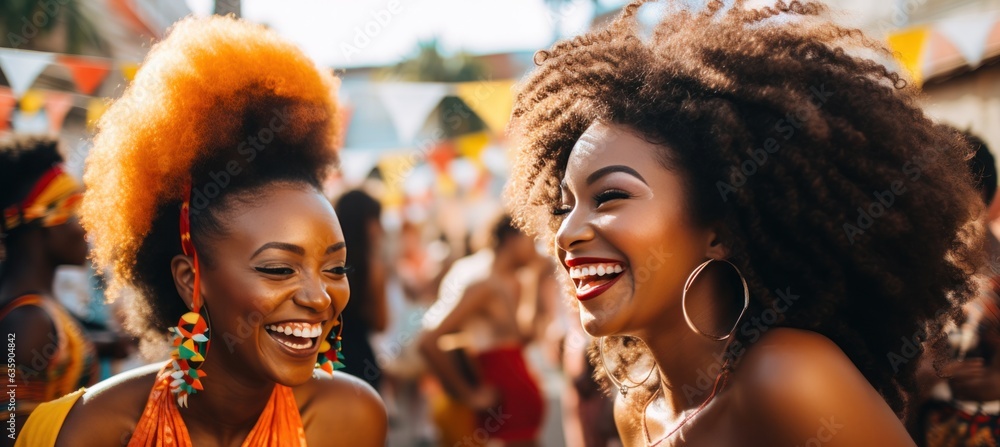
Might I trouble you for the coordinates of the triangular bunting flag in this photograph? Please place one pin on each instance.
(95, 109)
(128, 70)
(31, 102)
(35, 123)
(491, 100)
(969, 34)
(87, 72)
(355, 165)
(57, 105)
(909, 47)
(395, 168)
(7, 103)
(22, 68)
(471, 146)
(409, 104)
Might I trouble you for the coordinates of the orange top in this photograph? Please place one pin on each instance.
(161, 425)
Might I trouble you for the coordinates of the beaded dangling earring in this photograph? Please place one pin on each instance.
(191, 335)
(331, 356)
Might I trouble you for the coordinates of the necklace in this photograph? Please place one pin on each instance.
(622, 387)
(720, 381)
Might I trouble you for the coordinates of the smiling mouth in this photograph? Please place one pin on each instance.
(296, 336)
(593, 279)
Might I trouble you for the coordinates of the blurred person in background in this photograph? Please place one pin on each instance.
(485, 320)
(454, 420)
(40, 231)
(588, 412)
(360, 218)
(419, 272)
(961, 407)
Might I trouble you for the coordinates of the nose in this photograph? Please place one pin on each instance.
(575, 229)
(314, 295)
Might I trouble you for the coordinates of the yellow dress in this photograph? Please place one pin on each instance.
(42, 428)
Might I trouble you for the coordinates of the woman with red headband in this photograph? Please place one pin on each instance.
(40, 232)
(204, 199)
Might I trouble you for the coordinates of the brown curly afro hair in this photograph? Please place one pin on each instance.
(788, 133)
(224, 106)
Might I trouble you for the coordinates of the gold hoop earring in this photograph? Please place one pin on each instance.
(687, 285)
(622, 387)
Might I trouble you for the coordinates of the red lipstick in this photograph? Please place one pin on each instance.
(595, 291)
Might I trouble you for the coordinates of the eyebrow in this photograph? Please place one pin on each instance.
(614, 168)
(335, 247)
(295, 248)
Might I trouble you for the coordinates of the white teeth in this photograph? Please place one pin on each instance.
(296, 345)
(595, 270)
(301, 330)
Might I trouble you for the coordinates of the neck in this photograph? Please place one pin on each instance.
(688, 364)
(27, 271)
(231, 403)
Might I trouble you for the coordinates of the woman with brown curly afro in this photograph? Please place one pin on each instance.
(204, 199)
(757, 218)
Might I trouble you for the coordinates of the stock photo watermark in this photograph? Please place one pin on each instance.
(884, 200)
(786, 127)
(11, 385)
(365, 33)
(48, 10)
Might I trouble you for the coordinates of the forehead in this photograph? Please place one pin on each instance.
(605, 144)
(284, 212)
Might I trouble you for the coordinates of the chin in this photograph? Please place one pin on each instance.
(595, 324)
(292, 375)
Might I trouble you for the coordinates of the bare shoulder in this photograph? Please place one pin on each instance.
(799, 385)
(342, 406)
(108, 412)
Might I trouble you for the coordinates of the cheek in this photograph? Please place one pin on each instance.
(340, 294)
(238, 303)
(661, 254)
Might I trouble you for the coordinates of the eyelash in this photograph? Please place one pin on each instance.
(342, 270)
(611, 194)
(275, 270)
(287, 271)
(600, 198)
(561, 210)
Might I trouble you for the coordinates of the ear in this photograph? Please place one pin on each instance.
(714, 248)
(182, 269)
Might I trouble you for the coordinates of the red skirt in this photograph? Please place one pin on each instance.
(518, 416)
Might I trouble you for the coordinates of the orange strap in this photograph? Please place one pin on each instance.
(161, 425)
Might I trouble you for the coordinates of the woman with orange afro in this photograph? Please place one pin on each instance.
(204, 199)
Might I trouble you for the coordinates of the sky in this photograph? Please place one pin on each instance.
(352, 33)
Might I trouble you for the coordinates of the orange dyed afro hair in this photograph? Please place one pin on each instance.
(217, 95)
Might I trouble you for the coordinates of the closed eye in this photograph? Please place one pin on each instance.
(609, 195)
(275, 270)
(342, 270)
(561, 210)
